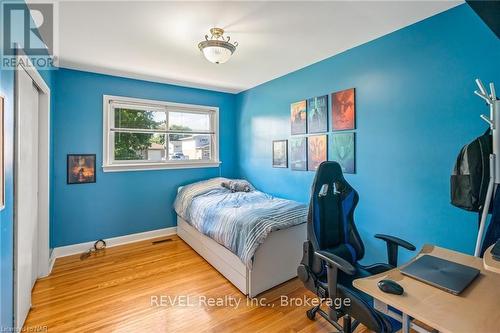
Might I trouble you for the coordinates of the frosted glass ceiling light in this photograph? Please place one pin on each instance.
(217, 48)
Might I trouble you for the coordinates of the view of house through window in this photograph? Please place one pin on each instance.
(160, 133)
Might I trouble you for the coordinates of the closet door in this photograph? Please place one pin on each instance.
(26, 195)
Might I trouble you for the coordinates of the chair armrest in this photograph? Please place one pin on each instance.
(397, 241)
(392, 247)
(335, 261)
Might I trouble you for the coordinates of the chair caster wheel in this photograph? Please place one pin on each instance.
(311, 314)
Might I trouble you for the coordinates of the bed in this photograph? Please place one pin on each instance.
(253, 239)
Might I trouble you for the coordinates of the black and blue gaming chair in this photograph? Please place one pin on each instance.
(333, 249)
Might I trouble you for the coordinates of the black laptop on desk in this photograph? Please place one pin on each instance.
(441, 273)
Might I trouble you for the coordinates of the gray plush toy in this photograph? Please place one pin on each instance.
(237, 186)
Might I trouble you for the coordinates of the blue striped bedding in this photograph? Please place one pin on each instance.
(240, 221)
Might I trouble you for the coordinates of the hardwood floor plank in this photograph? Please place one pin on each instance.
(139, 287)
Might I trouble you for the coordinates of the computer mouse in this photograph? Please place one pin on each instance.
(390, 287)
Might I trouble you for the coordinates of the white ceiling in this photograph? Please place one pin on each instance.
(157, 40)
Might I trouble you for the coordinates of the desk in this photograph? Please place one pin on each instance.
(476, 309)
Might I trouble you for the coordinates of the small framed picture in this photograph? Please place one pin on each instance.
(298, 154)
(317, 151)
(280, 154)
(317, 114)
(298, 117)
(343, 151)
(344, 110)
(81, 168)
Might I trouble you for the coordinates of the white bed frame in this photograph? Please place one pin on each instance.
(275, 261)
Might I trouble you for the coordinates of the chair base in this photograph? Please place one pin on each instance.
(349, 324)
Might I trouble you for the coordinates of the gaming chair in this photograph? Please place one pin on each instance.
(332, 251)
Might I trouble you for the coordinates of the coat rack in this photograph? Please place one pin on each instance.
(494, 121)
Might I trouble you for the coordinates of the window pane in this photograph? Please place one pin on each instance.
(189, 147)
(186, 121)
(129, 118)
(140, 146)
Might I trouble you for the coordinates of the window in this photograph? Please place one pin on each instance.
(143, 134)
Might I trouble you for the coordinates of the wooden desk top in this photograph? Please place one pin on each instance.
(476, 309)
(490, 263)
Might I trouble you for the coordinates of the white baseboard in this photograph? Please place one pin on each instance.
(68, 250)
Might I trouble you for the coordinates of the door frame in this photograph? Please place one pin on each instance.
(44, 264)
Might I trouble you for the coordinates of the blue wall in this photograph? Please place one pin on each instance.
(120, 203)
(415, 109)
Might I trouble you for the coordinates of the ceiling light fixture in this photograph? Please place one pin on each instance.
(217, 48)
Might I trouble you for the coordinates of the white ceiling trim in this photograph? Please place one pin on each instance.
(145, 77)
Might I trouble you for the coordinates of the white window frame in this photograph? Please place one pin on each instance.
(110, 165)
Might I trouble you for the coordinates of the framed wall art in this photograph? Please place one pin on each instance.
(343, 151)
(298, 154)
(81, 168)
(280, 154)
(298, 117)
(316, 151)
(317, 114)
(344, 110)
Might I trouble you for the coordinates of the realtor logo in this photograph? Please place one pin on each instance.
(30, 28)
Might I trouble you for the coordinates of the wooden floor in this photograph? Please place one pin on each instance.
(122, 290)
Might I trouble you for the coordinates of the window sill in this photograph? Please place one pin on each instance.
(159, 166)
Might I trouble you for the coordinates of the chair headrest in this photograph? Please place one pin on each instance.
(328, 172)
